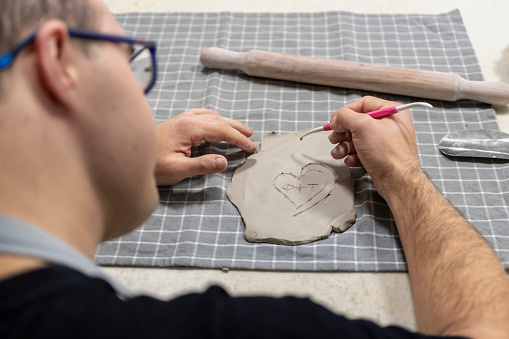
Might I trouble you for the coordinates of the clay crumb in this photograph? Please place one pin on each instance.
(225, 269)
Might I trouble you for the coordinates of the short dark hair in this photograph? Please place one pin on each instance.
(19, 17)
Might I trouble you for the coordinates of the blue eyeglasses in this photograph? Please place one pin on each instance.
(143, 56)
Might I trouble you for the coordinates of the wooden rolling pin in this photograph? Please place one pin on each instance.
(357, 75)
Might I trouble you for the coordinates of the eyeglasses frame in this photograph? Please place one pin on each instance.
(7, 59)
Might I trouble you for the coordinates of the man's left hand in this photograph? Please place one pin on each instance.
(176, 136)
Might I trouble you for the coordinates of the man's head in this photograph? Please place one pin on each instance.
(82, 110)
(19, 18)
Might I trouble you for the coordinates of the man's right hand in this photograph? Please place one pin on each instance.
(387, 148)
(458, 285)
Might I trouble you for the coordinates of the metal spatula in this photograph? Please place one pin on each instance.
(483, 143)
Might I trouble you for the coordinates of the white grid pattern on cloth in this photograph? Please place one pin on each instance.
(196, 225)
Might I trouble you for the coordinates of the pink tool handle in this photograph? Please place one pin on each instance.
(382, 113)
(378, 114)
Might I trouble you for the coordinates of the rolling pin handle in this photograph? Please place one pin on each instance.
(219, 58)
(495, 93)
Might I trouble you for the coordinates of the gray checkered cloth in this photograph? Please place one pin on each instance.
(196, 225)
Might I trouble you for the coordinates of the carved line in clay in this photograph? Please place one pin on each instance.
(296, 214)
(289, 187)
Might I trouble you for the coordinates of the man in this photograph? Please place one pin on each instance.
(79, 152)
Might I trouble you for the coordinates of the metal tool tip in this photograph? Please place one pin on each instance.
(412, 105)
(311, 131)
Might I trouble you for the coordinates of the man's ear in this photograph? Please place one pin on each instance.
(55, 66)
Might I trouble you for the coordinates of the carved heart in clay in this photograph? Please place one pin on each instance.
(314, 184)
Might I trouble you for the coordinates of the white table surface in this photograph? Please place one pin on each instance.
(382, 297)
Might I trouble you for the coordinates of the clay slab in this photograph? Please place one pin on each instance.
(292, 191)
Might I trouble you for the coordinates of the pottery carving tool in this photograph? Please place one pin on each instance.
(378, 114)
(357, 75)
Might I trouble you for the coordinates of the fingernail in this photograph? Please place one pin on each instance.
(334, 125)
(254, 146)
(333, 138)
(338, 152)
(332, 122)
(219, 162)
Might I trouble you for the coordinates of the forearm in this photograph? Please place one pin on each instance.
(458, 284)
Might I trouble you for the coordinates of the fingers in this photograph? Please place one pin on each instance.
(353, 161)
(345, 148)
(337, 137)
(204, 125)
(247, 131)
(345, 145)
(178, 168)
(349, 118)
(220, 131)
(205, 164)
(213, 130)
(206, 113)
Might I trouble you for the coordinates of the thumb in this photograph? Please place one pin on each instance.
(351, 116)
(347, 119)
(205, 164)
